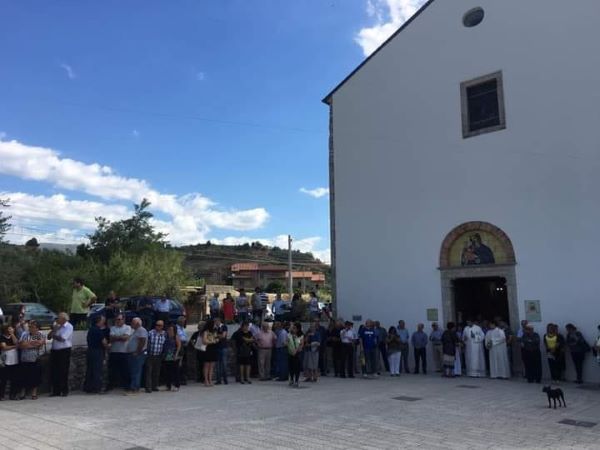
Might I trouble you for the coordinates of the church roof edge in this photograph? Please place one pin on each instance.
(327, 99)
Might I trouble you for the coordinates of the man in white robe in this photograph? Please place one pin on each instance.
(495, 341)
(473, 338)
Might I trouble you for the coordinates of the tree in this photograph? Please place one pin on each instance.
(32, 243)
(134, 235)
(4, 220)
(275, 287)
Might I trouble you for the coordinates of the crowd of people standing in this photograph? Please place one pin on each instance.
(142, 357)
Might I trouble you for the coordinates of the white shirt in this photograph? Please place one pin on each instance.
(348, 336)
(12, 356)
(119, 346)
(65, 332)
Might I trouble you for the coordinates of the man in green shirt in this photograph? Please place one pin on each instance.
(82, 299)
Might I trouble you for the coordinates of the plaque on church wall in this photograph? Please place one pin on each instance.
(475, 248)
(533, 311)
(432, 314)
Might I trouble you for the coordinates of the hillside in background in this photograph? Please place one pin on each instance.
(213, 262)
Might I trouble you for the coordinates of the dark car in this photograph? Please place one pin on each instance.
(31, 311)
(142, 307)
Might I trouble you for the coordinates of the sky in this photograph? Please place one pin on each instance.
(211, 109)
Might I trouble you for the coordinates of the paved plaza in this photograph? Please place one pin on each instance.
(332, 414)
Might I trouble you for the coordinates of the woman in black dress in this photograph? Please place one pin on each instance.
(172, 355)
(10, 355)
(244, 346)
(210, 339)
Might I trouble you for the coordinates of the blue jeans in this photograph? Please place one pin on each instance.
(222, 364)
(281, 363)
(136, 364)
(371, 360)
(242, 317)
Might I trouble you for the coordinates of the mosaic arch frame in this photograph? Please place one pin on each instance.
(456, 262)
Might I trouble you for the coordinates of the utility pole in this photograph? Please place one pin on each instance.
(290, 277)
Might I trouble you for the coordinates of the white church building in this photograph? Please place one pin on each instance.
(465, 169)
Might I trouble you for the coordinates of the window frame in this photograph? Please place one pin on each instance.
(464, 100)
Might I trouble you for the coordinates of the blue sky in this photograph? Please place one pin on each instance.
(212, 109)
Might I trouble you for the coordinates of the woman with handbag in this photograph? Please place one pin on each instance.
(9, 362)
(172, 351)
(31, 344)
(211, 354)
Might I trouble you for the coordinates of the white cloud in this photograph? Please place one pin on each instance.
(200, 76)
(189, 218)
(69, 71)
(316, 193)
(389, 16)
(30, 209)
(55, 219)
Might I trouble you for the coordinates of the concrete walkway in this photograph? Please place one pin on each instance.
(333, 414)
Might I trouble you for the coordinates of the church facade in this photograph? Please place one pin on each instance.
(464, 169)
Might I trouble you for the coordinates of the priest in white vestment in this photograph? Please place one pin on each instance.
(495, 341)
(474, 338)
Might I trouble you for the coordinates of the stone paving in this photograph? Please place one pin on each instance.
(332, 414)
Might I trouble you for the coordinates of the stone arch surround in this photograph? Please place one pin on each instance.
(450, 273)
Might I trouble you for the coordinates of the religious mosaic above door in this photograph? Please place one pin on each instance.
(475, 248)
(474, 244)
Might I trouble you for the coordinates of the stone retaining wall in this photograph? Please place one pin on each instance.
(78, 367)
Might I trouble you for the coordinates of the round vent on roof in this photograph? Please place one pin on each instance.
(473, 17)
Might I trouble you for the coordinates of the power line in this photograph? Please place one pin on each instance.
(191, 117)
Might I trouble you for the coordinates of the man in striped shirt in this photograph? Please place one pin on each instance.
(156, 343)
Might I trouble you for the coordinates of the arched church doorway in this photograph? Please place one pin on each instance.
(477, 267)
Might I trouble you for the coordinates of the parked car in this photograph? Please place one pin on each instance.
(43, 315)
(133, 307)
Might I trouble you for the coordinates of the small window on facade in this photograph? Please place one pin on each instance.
(483, 105)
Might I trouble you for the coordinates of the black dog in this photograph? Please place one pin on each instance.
(555, 394)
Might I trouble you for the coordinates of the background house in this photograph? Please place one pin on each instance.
(252, 275)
